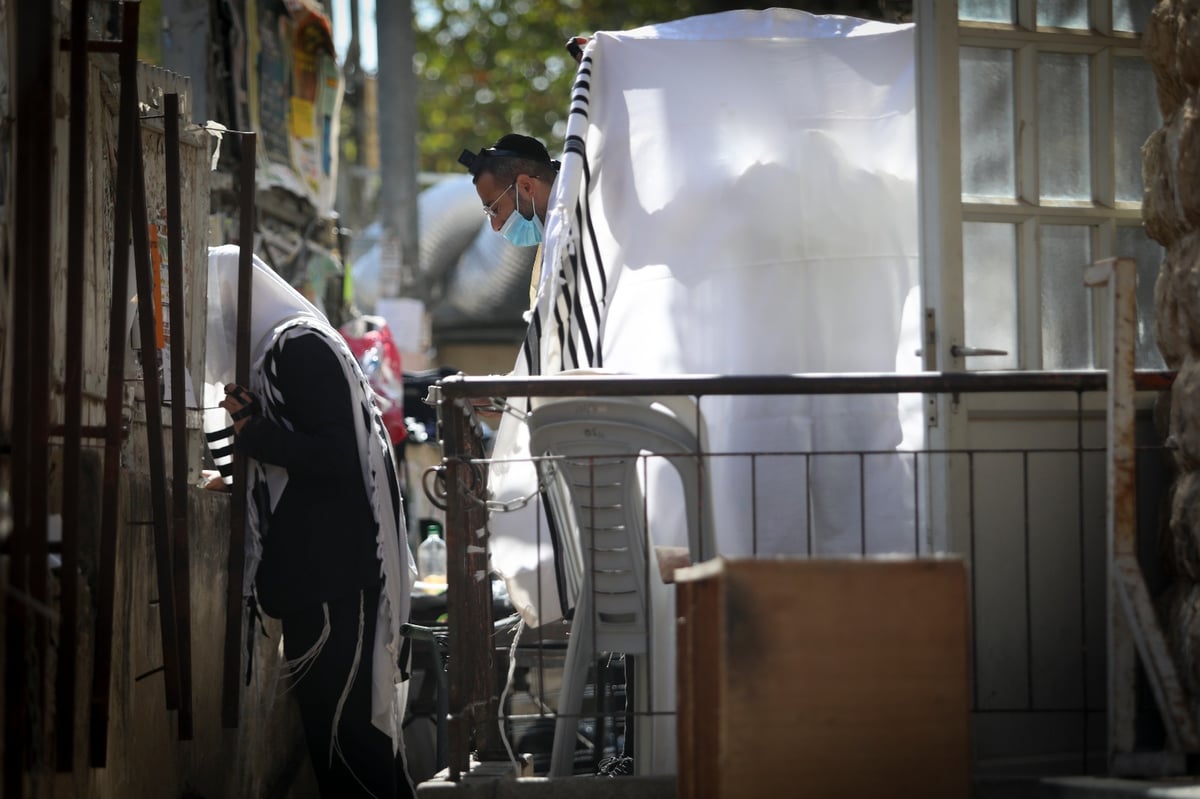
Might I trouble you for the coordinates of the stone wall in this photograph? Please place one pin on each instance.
(1171, 212)
(264, 756)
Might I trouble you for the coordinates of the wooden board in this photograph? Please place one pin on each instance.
(830, 677)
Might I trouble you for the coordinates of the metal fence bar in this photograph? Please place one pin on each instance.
(156, 451)
(474, 707)
(127, 129)
(862, 502)
(457, 387)
(1083, 614)
(231, 696)
(77, 163)
(26, 629)
(972, 578)
(753, 505)
(181, 571)
(1028, 572)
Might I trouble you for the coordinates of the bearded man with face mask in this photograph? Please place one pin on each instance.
(514, 178)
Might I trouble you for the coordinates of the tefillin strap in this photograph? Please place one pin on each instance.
(249, 407)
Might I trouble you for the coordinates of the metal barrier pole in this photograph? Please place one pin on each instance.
(1133, 625)
(127, 128)
(473, 692)
(27, 598)
(234, 605)
(179, 449)
(156, 452)
(77, 162)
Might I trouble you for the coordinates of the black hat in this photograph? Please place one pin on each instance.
(510, 145)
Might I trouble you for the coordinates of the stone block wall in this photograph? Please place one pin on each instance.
(1171, 213)
(264, 756)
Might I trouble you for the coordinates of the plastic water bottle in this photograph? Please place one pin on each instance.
(431, 556)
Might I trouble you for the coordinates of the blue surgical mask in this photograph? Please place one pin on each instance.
(521, 231)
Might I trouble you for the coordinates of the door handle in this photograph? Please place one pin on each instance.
(967, 352)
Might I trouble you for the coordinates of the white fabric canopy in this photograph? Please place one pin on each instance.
(737, 196)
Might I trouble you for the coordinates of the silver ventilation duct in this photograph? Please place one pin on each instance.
(449, 217)
(488, 292)
(479, 282)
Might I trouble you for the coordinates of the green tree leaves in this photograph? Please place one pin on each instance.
(485, 67)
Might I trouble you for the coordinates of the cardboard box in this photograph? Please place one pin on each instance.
(824, 678)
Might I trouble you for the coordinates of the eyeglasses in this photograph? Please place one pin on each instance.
(490, 208)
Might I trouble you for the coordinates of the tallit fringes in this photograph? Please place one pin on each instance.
(334, 745)
(297, 668)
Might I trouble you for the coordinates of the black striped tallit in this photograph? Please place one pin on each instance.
(576, 319)
(578, 293)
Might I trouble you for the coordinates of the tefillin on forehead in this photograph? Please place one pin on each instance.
(511, 145)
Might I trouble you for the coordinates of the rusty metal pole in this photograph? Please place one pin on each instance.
(458, 608)
(64, 720)
(473, 690)
(39, 160)
(1122, 656)
(152, 393)
(26, 602)
(1134, 629)
(179, 448)
(106, 566)
(231, 699)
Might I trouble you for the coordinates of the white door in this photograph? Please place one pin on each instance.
(1033, 113)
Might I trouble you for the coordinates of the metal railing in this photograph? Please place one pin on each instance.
(1036, 632)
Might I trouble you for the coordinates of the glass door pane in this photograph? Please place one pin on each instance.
(987, 118)
(990, 292)
(1064, 130)
(987, 10)
(1131, 15)
(1135, 116)
(1064, 254)
(1062, 14)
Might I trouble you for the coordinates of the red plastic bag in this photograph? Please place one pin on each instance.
(372, 344)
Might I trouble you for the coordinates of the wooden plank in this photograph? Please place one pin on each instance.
(849, 677)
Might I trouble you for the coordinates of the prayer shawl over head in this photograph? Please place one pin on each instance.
(279, 312)
(737, 196)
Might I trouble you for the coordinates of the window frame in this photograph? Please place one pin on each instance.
(938, 51)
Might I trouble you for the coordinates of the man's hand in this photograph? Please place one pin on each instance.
(241, 405)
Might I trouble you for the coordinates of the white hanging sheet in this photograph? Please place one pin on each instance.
(737, 196)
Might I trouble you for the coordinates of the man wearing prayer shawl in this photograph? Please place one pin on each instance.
(326, 548)
(514, 179)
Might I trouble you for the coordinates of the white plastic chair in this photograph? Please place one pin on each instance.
(590, 463)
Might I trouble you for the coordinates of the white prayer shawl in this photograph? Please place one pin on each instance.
(737, 196)
(278, 313)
